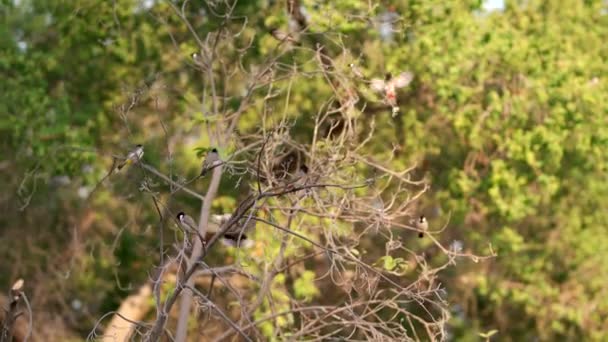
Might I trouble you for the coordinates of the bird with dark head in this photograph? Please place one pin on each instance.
(188, 225)
(211, 161)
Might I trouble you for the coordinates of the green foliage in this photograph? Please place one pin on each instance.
(304, 286)
(397, 266)
(507, 115)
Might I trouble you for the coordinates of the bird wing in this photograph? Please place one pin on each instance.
(377, 85)
(403, 79)
(190, 222)
(211, 160)
(240, 234)
(237, 241)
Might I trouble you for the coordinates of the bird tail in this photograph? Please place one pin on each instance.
(124, 163)
(237, 240)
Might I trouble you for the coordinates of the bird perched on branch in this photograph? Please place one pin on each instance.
(282, 36)
(211, 161)
(388, 87)
(133, 157)
(195, 57)
(189, 226)
(237, 235)
(422, 225)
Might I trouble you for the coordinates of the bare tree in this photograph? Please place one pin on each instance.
(321, 198)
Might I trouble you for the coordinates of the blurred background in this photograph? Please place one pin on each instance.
(507, 117)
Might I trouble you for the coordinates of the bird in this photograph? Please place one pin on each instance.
(236, 236)
(388, 87)
(133, 157)
(422, 225)
(356, 70)
(211, 161)
(196, 57)
(188, 225)
(282, 36)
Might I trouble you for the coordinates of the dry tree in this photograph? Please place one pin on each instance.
(17, 300)
(317, 204)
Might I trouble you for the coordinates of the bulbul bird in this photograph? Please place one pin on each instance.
(133, 157)
(196, 58)
(389, 86)
(211, 161)
(356, 70)
(236, 236)
(188, 225)
(421, 224)
(282, 36)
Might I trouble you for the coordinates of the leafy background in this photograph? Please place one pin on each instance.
(507, 116)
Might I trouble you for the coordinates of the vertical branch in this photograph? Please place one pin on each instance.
(197, 252)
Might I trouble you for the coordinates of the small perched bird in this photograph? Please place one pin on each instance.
(235, 236)
(356, 70)
(421, 224)
(133, 157)
(211, 161)
(389, 86)
(188, 225)
(197, 58)
(282, 36)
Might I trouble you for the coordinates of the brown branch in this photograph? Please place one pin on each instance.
(171, 182)
(199, 250)
(15, 296)
(220, 312)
